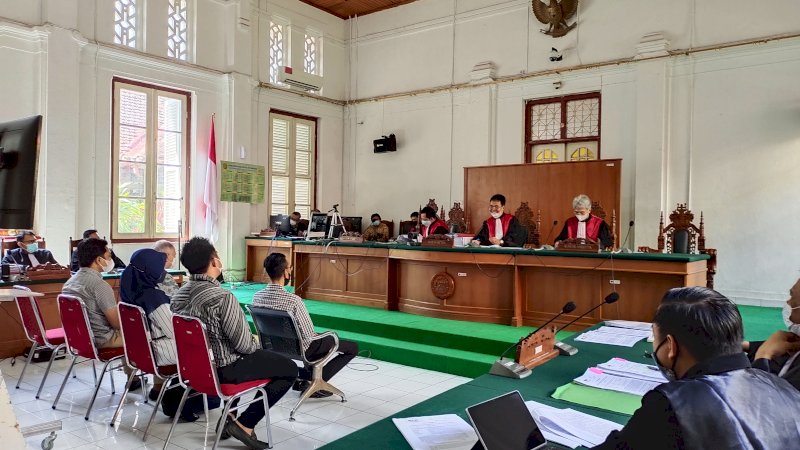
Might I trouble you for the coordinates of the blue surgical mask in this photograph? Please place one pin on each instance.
(669, 374)
(32, 248)
(376, 222)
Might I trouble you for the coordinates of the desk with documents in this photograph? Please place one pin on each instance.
(539, 386)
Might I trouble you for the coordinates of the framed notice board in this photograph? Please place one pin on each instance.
(243, 183)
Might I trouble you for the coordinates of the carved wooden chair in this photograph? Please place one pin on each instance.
(390, 224)
(599, 211)
(524, 215)
(456, 219)
(406, 226)
(683, 236)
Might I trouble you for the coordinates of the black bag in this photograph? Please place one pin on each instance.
(193, 406)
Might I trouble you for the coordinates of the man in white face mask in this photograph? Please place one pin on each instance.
(28, 253)
(585, 225)
(377, 230)
(297, 225)
(500, 228)
(780, 354)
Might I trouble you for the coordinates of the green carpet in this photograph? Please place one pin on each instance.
(452, 346)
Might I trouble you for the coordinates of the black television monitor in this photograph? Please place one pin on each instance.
(352, 223)
(19, 154)
(280, 223)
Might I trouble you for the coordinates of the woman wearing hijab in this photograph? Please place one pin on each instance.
(140, 286)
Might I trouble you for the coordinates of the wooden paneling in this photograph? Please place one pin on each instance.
(549, 188)
(349, 8)
(258, 250)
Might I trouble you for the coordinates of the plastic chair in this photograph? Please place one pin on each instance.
(39, 336)
(278, 331)
(196, 370)
(80, 343)
(139, 355)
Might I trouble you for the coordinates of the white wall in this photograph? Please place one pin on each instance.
(716, 129)
(63, 61)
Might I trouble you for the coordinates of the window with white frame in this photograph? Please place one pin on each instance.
(126, 18)
(278, 48)
(178, 29)
(292, 164)
(311, 53)
(149, 168)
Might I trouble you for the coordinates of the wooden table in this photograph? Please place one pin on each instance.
(506, 286)
(12, 335)
(257, 250)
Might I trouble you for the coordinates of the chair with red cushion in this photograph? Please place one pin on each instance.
(39, 336)
(196, 370)
(80, 343)
(139, 355)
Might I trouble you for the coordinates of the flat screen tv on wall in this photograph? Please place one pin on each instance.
(19, 154)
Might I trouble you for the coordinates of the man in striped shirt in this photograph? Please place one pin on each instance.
(274, 296)
(236, 353)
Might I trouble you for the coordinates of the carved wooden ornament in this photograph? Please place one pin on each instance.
(555, 14)
(443, 285)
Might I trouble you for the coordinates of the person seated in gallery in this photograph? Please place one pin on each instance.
(275, 297)
(28, 253)
(297, 225)
(169, 286)
(414, 217)
(780, 353)
(430, 224)
(377, 230)
(713, 397)
(585, 225)
(75, 265)
(501, 229)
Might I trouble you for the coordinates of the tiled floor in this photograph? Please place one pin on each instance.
(374, 389)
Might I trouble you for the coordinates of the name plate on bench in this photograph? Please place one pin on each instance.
(351, 237)
(438, 240)
(578, 245)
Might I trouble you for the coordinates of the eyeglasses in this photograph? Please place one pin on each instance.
(29, 242)
(495, 208)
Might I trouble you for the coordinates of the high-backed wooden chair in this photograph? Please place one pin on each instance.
(390, 225)
(599, 211)
(683, 236)
(73, 245)
(533, 224)
(456, 219)
(406, 226)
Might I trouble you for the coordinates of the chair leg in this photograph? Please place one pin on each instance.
(122, 399)
(144, 387)
(64, 383)
(27, 362)
(266, 417)
(110, 375)
(94, 372)
(205, 406)
(47, 371)
(161, 392)
(221, 421)
(97, 388)
(311, 389)
(177, 414)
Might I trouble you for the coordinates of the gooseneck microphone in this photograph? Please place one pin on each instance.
(506, 367)
(622, 247)
(568, 350)
(547, 239)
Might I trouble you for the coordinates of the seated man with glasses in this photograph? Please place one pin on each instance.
(92, 234)
(501, 229)
(28, 253)
(275, 296)
(584, 225)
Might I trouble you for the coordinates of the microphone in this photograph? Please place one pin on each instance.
(506, 367)
(544, 244)
(569, 350)
(622, 248)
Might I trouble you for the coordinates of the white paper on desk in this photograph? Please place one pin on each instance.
(442, 432)
(645, 326)
(573, 425)
(623, 331)
(608, 339)
(491, 246)
(624, 368)
(596, 378)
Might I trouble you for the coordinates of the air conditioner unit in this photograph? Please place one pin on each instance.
(300, 80)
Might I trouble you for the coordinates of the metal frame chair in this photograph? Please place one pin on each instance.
(39, 336)
(138, 345)
(80, 343)
(278, 331)
(197, 371)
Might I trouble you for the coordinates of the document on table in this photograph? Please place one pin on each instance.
(624, 368)
(596, 378)
(600, 337)
(569, 427)
(443, 432)
(645, 326)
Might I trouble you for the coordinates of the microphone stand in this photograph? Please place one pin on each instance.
(569, 350)
(544, 243)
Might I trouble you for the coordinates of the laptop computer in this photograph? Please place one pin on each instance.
(504, 423)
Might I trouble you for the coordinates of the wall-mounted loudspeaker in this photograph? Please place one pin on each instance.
(385, 144)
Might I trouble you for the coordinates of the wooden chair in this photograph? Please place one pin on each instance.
(525, 217)
(682, 236)
(73, 245)
(390, 225)
(406, 226)
(456, 219)
(599, 211)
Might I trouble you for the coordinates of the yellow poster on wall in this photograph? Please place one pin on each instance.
(244, 183)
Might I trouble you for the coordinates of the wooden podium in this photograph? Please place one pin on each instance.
(537, 349)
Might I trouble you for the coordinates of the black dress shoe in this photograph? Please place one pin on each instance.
(153, 394)
(250, 440)
(301, 385)
(321, 394)
(136, 385)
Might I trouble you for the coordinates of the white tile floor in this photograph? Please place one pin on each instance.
(374, 389)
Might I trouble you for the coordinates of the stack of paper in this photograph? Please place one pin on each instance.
(569, 427)
(447, 431)
(624, 368)
(596, 378)
(625, 337)
(645, 326)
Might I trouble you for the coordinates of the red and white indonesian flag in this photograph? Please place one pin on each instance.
(211, 197)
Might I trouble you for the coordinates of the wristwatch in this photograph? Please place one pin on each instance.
(502, 242)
